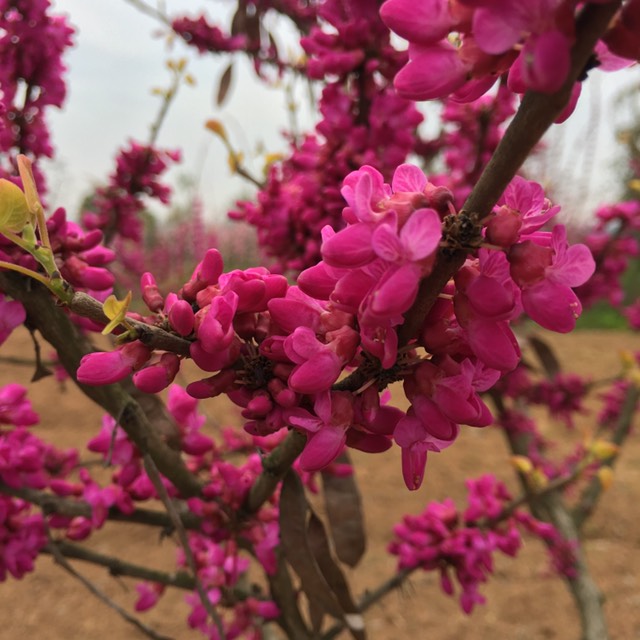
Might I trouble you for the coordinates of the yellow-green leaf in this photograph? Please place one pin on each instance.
(116, 311)
(14, 210)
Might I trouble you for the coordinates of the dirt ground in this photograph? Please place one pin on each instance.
(525, 600)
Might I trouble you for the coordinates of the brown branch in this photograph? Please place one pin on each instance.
(56, 327)
(535, 115)
(62, 562)
(156, 480)
(592, 492)
(549, 506)
(50, 503)
(275, 466)
(154, 337)
(118, 567)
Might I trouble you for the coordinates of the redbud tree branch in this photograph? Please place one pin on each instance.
(58, 330)
(118, 567)
(50, 503)
(535, 115)
(549, 506)
(62, 562)
(592, 492)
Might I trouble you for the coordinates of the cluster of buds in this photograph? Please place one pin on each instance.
(115, 208)
(461, 545)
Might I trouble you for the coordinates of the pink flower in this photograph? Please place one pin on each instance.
(423, 22)
(112, 366)
(447, 72)
(424, 428)
(148, 595)
(15, 409)
(159, 375)
(326, 429)
(546, 275)
(12, 315)
(317, 364)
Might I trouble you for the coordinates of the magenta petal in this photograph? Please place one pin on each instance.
(302, 344)
(397, 291)
(386, 244)
(497, 29)
(408, 178)
(425, 21)
(421, 234)
(432, 72)
(546, 61)
(322, 448)
(414, 462)
(12, 314)
(315, 375)
(442, 429)
(350, 247)
(489, 297)
(553, 306)
(317, 282)
(493, 342)
(103, 368)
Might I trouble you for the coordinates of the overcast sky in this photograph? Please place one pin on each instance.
(118, 58)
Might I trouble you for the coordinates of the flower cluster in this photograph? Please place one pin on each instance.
(277, 350)
(115, 208)
(32, 42)
(25, 462)
(22, 536)
(462, 47)
(614, 245)
(206, 37)
(462, 545)
(363, 121)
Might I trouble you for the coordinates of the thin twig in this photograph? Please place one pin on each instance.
(64, 564)
(156, 480)
(370, 597)
(143, 7)
(592, 492)
(50, 503)
(119, 567)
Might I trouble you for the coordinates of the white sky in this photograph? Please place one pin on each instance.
(117, 61)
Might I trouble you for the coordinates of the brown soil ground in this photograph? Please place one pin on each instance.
(525, 600)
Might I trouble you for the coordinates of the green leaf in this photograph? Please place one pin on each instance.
(14, 210)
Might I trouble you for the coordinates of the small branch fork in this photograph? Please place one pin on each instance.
(60, 560)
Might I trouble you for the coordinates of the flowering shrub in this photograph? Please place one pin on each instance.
(400, 276)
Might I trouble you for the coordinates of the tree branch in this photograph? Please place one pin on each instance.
(56, 327)
(535, 115)
(50, 503)
(549, 506)
(62, 562)
(154, 337)
(275, 466)
(156, 480)
(592, 492)
(118, 567)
